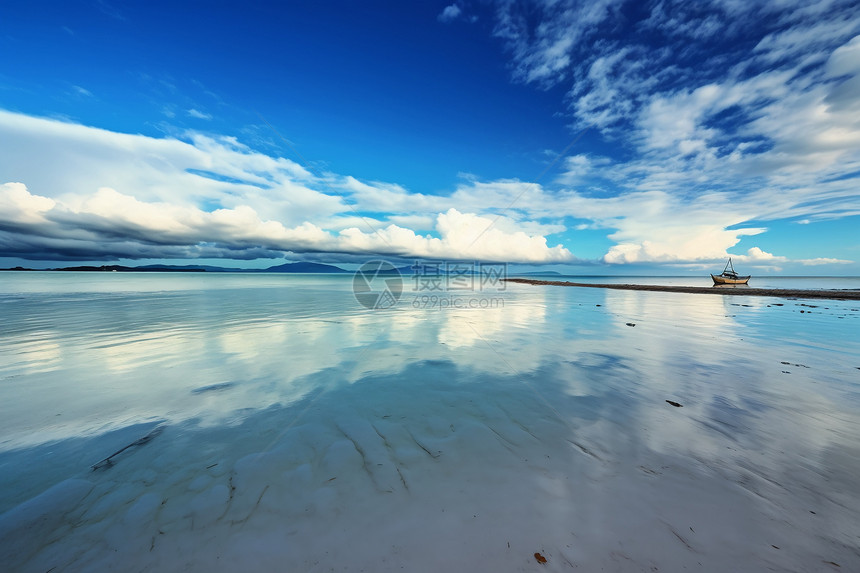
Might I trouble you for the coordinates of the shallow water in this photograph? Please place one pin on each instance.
(301, 431)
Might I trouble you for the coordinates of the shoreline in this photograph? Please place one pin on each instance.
(745, 291)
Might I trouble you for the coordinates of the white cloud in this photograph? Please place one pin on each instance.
(713, 139)
(542, 50)
(416, 222)
(677, 239)
(78, 90)
(578, 169)
(715, 146)
(18, 207)
(198, 114)
(802, 41)
(845, 60)
(110, 195)
(450, 13)
(824, 261)
(108, 217)
(461, 236)
(757, 257)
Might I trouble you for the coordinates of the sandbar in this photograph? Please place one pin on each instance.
(723, 290)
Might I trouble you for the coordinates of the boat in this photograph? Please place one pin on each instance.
(729, 276)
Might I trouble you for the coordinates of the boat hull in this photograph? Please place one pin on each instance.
(721, 280)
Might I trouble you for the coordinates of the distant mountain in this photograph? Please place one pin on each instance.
(536, 274)
(124, 269)
(180, 268)
(407, 271)
(303, 267)
(300, 267)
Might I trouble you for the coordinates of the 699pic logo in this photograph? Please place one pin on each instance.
(377, 285)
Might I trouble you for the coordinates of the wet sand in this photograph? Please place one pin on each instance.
(723, 289)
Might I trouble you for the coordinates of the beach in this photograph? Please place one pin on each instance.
(223, 423)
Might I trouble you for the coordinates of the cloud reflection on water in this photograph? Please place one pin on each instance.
(554, 388)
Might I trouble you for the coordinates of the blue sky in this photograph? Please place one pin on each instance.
(598, 137)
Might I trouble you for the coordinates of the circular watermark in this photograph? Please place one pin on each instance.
(377, 285)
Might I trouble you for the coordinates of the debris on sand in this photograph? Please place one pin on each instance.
(108, 461)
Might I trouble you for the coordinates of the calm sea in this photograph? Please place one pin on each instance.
(540, 411)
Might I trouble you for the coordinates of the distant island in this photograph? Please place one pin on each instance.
(301, 267)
